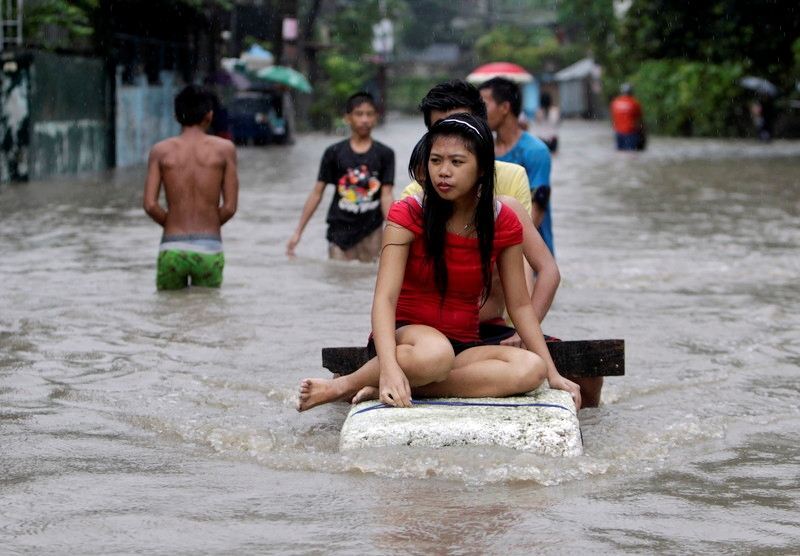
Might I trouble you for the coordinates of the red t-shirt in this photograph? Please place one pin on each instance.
(419, 301)
(626, 114)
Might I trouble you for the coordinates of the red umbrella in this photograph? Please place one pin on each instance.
(510, 71)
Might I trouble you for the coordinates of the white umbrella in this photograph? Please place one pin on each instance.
(759, 85)
(257, 58)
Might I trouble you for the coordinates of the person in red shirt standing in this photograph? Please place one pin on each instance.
(626, 117)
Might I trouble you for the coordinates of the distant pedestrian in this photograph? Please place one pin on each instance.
(362, 170)
(197, 170)
(762, 111)
(503, 100)
(548, 119)
(220, 123)
(627, 119)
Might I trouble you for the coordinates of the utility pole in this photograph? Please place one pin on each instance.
(485, 9)
(383, 46)
(10, 23)
(308, 49)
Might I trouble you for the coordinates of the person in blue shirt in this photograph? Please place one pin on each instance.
(503, 100)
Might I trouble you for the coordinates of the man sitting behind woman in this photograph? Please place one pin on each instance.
(437, 257)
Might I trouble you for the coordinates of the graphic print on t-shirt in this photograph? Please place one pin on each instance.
(357, 189)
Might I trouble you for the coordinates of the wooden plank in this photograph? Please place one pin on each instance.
(578, 358)
(585, 358)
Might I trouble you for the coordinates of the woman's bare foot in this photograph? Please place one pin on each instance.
(366, 393)
(317, 391)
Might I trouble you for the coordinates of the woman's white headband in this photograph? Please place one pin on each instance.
(472, 127)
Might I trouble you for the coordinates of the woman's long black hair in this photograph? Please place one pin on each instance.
(436, 211)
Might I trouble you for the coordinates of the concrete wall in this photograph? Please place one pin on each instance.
(68, 101)
(68, 147)
(145, 116)
(52, 115)
(582, 98)
(572, 96)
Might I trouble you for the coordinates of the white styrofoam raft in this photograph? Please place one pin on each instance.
(544, 421)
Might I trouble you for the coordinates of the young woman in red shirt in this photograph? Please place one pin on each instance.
(435, 270)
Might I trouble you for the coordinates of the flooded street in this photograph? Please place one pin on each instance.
(133, 421)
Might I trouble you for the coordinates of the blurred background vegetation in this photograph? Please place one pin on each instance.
(684, 59)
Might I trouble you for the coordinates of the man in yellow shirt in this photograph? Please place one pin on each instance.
(511, 188)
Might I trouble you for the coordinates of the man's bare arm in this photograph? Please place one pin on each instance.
(540, 259)
(537, 215)
(312, 202)
(230, 186)
(540, 198)
(386, 199)
(152, 188)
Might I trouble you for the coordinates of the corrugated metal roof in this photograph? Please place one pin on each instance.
(579, 70)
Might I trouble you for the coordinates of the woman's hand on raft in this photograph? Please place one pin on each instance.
(560, 383)
(393, 388)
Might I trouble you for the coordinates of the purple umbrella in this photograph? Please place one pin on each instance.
(235, 79)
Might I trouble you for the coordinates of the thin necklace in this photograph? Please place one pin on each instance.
(466, 228)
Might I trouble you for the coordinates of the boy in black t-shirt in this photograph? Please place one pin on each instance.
(362, 170)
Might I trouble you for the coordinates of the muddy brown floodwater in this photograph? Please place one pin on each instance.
(133, 421)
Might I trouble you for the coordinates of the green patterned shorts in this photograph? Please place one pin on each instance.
(176, 267)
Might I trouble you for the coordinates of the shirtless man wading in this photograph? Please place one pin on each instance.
(197, 170)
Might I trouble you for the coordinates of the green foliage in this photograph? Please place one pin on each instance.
(757, 34)
(686, 58)
(351, 23)
(200, 4)
(447, 21)
(796, 54)
(250, 40)
(351, 28)
(794, 94)
(72, 16)
(690, 98)
(430, 21)
(405, 94)
(79, 18)
(345, 75)
(591, 24)
(535, 49)
(347, 69)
